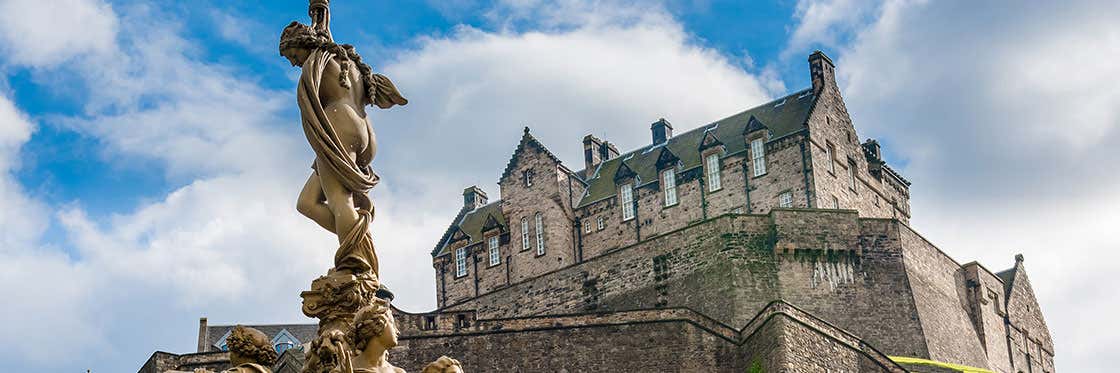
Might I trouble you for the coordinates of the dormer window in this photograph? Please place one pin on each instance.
(758, 156)
(460, 262)
(669, 183)
(711, 162)
(495, 255)
(626, 198)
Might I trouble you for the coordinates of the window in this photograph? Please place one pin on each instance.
(835, 203)
(495, 256)
(852, 175)
(587, 227)
(712, 162)
(626, 197)
(785, 199)
(460, 262)
(758, 155)
(540, 235)
(524, 234)
(601, 223)
(669, 183)
(527, 177)
(830, 153)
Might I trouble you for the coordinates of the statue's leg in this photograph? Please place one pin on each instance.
(312, 203)
(339, 200)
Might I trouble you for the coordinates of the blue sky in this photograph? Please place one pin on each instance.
(150, 153)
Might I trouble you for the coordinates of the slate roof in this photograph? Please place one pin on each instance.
(304, 332)
(472, 223)
(782, 117)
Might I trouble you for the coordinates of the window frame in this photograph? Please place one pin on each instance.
(601, 223)
(494, 243)
(713, 171)
(461, 262)
(669, 187)
(626, 199)
(758, 156)
(539, 220)
(785, 199)
(524, 233)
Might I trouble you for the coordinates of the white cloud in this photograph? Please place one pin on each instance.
(1005, 127)
(48, 32)
(825, 23)
(228, 244)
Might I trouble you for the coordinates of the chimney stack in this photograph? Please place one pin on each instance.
(662, 131)
(607, 151)
(821, 72)
(203, 335)
(473, 197)
(592, 153)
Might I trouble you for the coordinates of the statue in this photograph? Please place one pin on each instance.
(334, 88)
(374, 332)
(250, 351)
(444, 365)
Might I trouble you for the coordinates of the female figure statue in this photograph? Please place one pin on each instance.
(334, 88)
(374, 332)
(250, 351)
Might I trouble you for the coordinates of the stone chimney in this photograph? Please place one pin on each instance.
(203, 335)
(874, 158)
(608, 151)
(821, 72)
(592, 153)
(662, 131)
(473, 197)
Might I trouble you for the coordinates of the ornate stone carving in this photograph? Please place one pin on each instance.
(250, 351)
(444, 365)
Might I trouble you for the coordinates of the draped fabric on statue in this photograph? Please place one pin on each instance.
(356, 249)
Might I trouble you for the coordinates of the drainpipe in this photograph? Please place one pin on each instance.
(475, 260)
(805, 162)
(747, 184)
(637, 218)
(703, 199)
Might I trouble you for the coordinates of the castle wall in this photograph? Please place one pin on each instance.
(987, 307)
(785, 172)
(829, 123)
(544, 197)
(938, 287)
(666, 346)
(730, 267)
(1031, 346)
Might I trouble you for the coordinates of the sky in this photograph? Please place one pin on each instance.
(151, 153)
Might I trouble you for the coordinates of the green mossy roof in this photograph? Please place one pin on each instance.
(471, 224)
(782, 117)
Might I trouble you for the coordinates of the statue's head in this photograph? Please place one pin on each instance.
(297, 41)
(444, 365)
(374, 325)
(248, 345)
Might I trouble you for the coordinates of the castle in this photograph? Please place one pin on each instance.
(771, 240)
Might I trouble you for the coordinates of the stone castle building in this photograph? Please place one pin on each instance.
(771, 240)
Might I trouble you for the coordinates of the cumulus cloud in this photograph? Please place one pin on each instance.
(228, 244)
(48, 32)
(1004, 127)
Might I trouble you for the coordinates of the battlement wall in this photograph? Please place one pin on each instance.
(847, 270)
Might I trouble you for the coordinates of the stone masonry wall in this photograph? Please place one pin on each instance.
(987, 307)
(845, 270)
(829, 123)
(544, 197)
(938, 285)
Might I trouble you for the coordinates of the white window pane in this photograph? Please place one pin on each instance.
(785, 199)
(461, 262)
(627, 200)
(758, 155)
(524, 234)
(601, 223)
(669, 179)
(714, 183)
(540, 235)
(495, 256)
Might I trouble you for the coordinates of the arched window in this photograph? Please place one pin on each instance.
(540, 234)
(524, 234)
